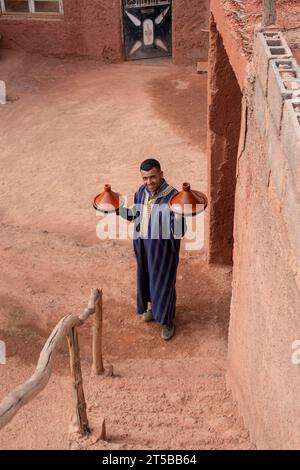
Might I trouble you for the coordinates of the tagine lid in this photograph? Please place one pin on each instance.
(108, 201)
(188, 201)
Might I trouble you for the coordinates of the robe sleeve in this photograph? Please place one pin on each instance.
(129, 214)
(178, 225)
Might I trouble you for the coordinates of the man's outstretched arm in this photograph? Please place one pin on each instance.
(129, 214)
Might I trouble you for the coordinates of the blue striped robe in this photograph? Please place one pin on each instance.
(157, 257)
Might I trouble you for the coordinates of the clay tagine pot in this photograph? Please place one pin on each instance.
(108, 201)
(188, 202)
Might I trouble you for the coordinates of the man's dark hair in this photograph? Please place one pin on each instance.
(150, 163)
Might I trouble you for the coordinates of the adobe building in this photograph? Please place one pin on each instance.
(111, 31)
(254, 218)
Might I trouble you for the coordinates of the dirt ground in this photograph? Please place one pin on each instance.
(69, 127)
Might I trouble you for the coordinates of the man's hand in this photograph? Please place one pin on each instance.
(180, 225)
(178, 217)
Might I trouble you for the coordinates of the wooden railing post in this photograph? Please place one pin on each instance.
(80, 404)
(97, 338)
(269, 12)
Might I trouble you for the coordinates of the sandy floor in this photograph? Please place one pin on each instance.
(69, 127)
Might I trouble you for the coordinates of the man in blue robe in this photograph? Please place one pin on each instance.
(157, 235)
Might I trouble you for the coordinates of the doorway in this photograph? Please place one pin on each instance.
(147, 27)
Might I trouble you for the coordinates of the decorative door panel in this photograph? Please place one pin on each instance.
(147, 28)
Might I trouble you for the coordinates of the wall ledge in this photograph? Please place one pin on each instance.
(30, 18)
(237, 58)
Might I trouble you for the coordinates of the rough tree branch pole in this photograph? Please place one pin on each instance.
(11, 404)
(80, 404)
(269, 12)
(97, 338)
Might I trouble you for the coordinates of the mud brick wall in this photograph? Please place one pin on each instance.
(224, 125)
(93, 28)
(265, 317)
(190, 42)
(88, 27)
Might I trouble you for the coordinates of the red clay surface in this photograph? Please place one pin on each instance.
(69, 127)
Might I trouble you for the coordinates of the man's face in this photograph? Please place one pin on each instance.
(152, 179)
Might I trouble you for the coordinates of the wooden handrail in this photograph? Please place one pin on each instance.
(21, 395)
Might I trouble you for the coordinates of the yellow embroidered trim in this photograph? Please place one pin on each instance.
(148, 204)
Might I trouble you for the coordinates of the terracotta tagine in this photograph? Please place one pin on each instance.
(197, 201)
(108, 201)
